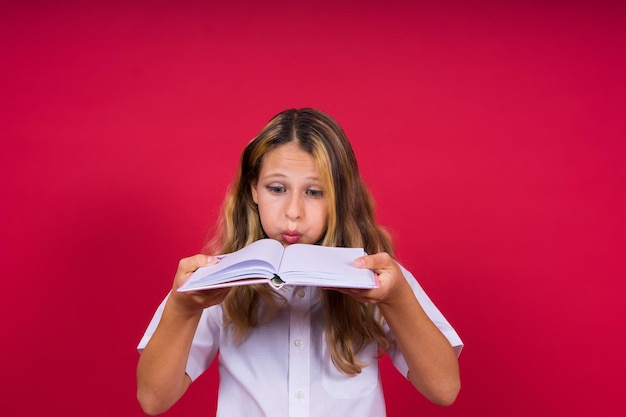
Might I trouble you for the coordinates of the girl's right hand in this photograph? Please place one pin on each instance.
(195, 301)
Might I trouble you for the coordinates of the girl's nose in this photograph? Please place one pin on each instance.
(295, 207)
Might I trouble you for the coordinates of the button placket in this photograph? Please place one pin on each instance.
(299, 353)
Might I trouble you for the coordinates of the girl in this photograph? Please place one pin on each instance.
(300, 351)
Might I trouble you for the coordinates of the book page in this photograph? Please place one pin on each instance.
(325, 266)
(257, 260)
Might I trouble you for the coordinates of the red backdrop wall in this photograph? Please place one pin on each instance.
(491, 135)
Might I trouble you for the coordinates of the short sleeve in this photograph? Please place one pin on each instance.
(435, 316)
(205, 343)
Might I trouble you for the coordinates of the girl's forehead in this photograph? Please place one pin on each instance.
(287, 151)
(289, 159)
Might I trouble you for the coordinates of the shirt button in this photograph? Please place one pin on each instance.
(298, 342)
(299, 395)
(300, 293)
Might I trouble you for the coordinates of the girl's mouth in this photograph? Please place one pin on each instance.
(291, 237)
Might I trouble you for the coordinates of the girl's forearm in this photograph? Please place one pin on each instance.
(433, 365)
(161, 377)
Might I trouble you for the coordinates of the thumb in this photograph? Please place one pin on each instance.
(380, 260)
(363, 262)
(212, 260)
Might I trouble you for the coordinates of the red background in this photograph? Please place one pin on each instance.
(492, 136)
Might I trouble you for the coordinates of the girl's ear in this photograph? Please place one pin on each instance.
(254, 193)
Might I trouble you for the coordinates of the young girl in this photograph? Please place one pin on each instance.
(300, 351)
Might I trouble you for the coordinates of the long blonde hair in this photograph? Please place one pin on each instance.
(348, 325)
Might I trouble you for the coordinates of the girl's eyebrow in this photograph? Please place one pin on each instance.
(280, 175)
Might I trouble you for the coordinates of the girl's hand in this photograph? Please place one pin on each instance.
(161, 371)
(195, 301)
(392, 281)
(433, 366)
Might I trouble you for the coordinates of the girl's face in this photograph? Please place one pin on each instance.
(291, 202)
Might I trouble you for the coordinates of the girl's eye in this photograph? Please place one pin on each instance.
(314, 193)
(276, 189)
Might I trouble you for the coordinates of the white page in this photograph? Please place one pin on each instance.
(335, 266)
(262, 255)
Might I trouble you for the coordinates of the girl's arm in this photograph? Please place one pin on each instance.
(433, 365)
(161, 377)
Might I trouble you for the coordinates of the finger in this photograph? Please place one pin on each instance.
(377, 261)
(194, 262)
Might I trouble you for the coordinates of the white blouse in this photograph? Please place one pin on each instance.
(283, 367)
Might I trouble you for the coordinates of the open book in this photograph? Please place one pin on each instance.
(266, 261)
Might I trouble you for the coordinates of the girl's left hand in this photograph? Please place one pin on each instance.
(392, 281)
